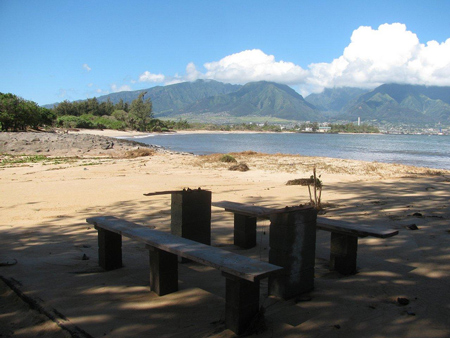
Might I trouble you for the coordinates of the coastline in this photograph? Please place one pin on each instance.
(407, 150)
(137, 134)
(88, 143)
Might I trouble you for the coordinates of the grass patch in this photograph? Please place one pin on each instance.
(431, 172)
(141, 152)
(12, 160)
(248, 153)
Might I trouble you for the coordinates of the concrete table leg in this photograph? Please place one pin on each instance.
(293, 246)
(242, 303)
(343, 253)
(163, 271)
(109, 249)
(244, 231)
(191, 215)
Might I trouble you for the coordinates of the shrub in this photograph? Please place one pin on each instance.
(228, 159)
(89, 121)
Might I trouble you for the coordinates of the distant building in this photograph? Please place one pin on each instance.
(324, 129)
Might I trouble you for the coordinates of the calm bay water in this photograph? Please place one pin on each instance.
(418, 150)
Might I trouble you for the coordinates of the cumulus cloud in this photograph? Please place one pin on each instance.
(387, 54)
(149, 77)
(243, 67)
(192, 73)
(86, 67)
(254, 65)
(122, 88)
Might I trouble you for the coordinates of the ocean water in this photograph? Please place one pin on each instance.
(418, 150)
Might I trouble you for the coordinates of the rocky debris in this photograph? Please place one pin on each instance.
(239, 167)
(402, 301)
(55, 144)
(412, 227)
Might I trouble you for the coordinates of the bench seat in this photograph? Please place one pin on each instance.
(242, 273)
(353, 229)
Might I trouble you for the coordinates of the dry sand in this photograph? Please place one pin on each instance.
(42, 225)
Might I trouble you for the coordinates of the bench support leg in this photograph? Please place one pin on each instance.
(244, 231)
(163, 271)
(109, 249)
(343, 253)
(242, 303)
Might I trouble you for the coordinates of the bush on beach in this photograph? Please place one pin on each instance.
(227, 158)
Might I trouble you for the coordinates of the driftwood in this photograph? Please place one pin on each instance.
(301, 181)
(312, 181)
(169, 192)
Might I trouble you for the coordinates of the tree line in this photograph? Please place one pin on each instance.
(18, 114)
(353, 128)
(92, 114)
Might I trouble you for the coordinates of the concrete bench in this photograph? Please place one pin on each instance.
(344, 235)
(242, 273)
(344, 241)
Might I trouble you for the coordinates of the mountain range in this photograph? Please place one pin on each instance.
(394, 103)
(401, 103)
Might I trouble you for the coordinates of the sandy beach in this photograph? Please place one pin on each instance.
(48, 252)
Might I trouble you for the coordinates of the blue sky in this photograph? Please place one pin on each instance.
(52, 51)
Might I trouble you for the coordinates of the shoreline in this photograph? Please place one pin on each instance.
(86, 143)
(138, 134)
(370, 154)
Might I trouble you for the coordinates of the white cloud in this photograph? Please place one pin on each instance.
(149, 77)
(122, 88)
(192, 73)
(243, 67)
(387, 54)
(62, 93)
(86, 67)
(254, 65)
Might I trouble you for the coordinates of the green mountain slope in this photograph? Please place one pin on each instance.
(259, 99)
(401, 104)
(174, 98)
(392, 103)
(332, 100)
